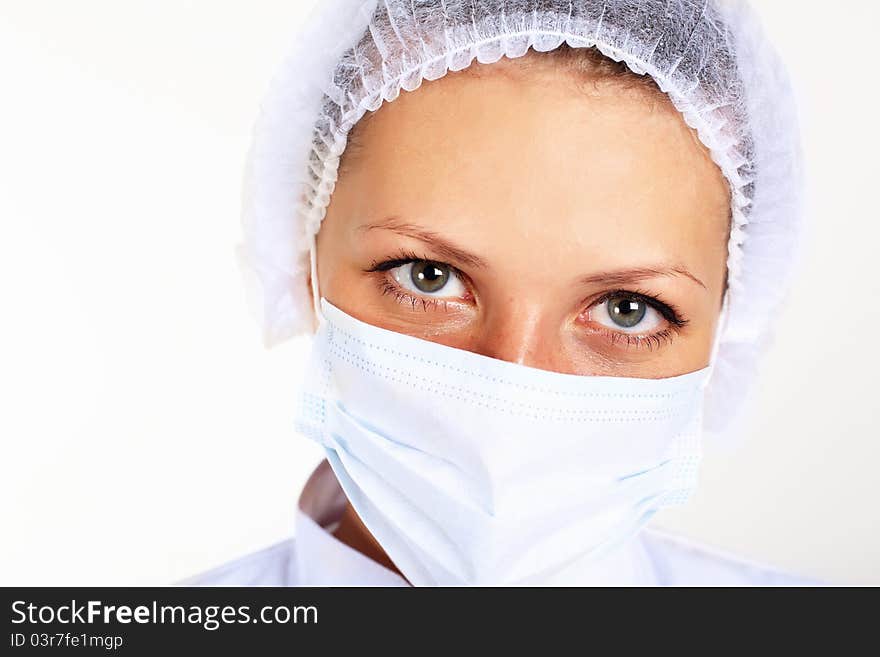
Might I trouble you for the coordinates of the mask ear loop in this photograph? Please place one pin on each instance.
(720, 330)
(316, 294)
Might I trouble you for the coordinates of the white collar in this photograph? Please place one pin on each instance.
(321, 559)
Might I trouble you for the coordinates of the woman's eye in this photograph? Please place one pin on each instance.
(428, 278)
(628, 314)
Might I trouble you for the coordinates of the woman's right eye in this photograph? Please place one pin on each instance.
(428, 278)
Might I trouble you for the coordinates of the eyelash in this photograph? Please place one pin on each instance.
(654, 340)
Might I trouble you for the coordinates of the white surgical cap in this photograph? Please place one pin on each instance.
(710, 57)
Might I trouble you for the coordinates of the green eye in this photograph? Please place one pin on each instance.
(429, 277)
(626, 312)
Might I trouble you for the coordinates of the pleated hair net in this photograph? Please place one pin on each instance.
(710, 57)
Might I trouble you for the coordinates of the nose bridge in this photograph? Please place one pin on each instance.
(519, 333)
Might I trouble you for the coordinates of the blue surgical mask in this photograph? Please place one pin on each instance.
(472, 470)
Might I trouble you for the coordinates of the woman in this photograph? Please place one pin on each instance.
(535, 279)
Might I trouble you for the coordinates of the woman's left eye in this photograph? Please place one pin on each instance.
(428, 278)
(626, 314)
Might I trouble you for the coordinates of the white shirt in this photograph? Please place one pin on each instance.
(317, 558)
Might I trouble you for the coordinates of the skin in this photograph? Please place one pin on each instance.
(547, 195)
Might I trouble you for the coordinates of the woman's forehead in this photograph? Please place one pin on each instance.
(497, 160)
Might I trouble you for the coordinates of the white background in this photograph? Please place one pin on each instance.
(146, 433)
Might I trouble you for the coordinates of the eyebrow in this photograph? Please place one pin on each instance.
(624, 276)
(440, 245)
(451, 251)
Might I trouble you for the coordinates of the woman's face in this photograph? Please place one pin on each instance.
(509, 212)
